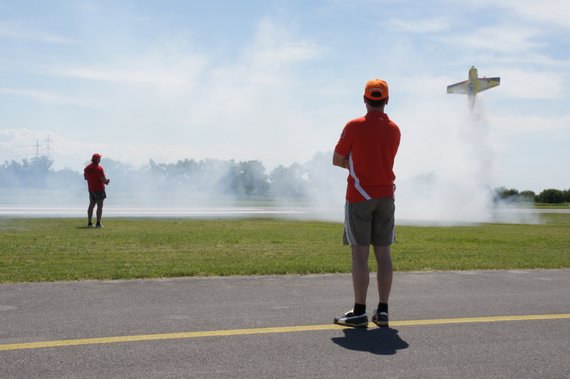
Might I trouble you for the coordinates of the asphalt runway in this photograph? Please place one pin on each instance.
(471, 324)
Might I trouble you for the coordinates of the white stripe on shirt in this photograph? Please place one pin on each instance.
(356, 180)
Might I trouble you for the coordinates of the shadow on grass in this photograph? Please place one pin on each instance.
(380, 341)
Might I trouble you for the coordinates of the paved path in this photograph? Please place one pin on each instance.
(499, 324)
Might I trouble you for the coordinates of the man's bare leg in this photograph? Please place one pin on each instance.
(360, 273)
(99, 210)
(360, 280)
(90, 212)
(385, 272)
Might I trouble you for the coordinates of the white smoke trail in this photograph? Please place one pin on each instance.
(447, 170)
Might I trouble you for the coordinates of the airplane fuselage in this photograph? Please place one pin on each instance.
(472, 86)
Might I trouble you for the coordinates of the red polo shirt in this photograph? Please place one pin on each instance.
(370, 143)
(95, 176)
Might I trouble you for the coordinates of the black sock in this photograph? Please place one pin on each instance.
(359, 309)
(382, 307)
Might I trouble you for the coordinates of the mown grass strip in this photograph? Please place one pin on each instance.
(63, 249)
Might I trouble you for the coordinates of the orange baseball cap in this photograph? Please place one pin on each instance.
(376, 89)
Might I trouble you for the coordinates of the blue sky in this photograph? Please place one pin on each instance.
(277, 81)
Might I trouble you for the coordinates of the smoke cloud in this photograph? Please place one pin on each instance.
(445, 175)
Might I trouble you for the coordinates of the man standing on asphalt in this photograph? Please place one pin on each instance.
(367, 148)
(96, 181)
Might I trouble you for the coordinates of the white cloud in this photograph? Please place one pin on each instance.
(507, 126)
(505, 39)
(420, 26)
(159, 68)
(50, 97)
(16, 30)
(525, 84)
(274, 42)
(171, 104)
(551, 12)
(246, 108)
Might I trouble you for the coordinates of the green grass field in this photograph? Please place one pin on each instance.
(63, 249)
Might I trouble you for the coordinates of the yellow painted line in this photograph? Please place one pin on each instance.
(475, 320)
(284, 329)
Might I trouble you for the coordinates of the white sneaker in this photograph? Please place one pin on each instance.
(380, 318)
(349, 319)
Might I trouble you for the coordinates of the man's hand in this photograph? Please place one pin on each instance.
(107, 181)
(339, 160)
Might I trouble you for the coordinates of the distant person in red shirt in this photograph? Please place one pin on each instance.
(96, 181)
(367, 148)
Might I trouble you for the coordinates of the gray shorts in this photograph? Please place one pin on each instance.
(369, 222)
(96, 196)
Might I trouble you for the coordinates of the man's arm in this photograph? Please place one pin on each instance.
(339, 160)
(103, 178)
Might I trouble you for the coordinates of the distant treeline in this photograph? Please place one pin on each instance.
(549, 196)
(210, 176)
(249, 179)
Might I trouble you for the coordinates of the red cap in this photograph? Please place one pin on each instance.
(376, 89)
(96, 157)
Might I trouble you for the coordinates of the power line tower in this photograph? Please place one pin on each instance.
(45, 149)
(37, 149)
(48, 148)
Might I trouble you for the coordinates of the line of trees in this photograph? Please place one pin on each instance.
(247, 179)
(34, 173)
(548, 196)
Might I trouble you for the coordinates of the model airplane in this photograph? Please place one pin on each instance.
(472, 86)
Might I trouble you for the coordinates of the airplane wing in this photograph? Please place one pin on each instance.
(460, 88)
(486, 83)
